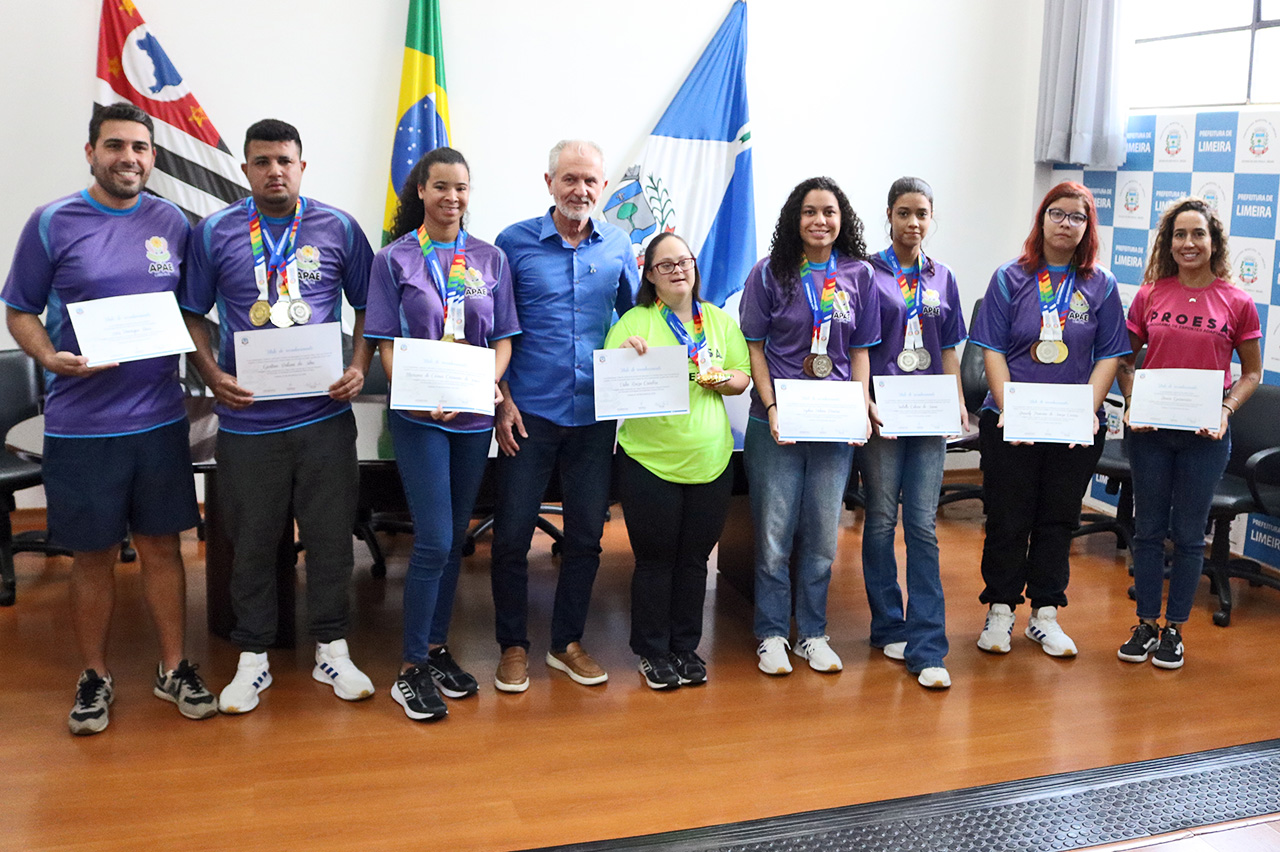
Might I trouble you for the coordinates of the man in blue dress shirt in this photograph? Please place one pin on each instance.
(569, 274)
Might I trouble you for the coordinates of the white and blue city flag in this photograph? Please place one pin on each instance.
(693, 176)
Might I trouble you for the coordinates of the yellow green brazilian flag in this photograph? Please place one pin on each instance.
(424, 105)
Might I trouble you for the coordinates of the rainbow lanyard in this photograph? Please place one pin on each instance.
(283, 260)
(914, 337)
(451, 294)
(699, 352)
(1053, 307)
(821, 306)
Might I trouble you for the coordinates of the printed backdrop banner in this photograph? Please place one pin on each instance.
(1232, 159)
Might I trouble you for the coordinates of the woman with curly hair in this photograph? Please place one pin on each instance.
(1052, 315)
(1188, 315)
(808, 312)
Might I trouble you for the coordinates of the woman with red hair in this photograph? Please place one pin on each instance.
(1052, 316)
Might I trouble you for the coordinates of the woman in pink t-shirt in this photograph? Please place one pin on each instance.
(1189, 316)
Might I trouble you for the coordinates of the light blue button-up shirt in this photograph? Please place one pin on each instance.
(565, 298)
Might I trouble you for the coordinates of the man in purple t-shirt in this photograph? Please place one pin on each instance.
(116, 458)
(273, 261)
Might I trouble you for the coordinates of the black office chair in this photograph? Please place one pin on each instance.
(1114, 465)
(1251, 484)
(973, 383)
(21, 389)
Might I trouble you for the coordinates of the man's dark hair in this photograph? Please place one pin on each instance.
(118, 112)
(271, 130)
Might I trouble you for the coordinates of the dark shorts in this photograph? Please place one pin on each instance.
(100, 489)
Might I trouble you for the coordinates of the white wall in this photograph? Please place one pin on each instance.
(863, 91)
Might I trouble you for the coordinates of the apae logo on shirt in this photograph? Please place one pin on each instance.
(930, 303)
(309, 264)
(475, 286)
(1079, 310)
(841, 309)
(157, 249)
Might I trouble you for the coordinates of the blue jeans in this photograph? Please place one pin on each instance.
(795, 499)
(585, 454)
(1174, 474)
(441, 472)
(909, 469)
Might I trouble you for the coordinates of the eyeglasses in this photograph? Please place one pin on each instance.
(1056, 216)
(667, 267)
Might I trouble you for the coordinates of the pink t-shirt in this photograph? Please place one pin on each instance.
(1194, 329)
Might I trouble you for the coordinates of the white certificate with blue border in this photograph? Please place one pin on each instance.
(431, 374)
(129, 328)
(810, 410)
(917, 405)
(629, 384)
(283, 363)
(1049, 413)
(1177, 399)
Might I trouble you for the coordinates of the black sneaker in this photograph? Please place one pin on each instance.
(448, 675)
(690, 668)
(184, 688)
(1141, 643)
(1168, 654)
(94, 695)
(415, 692)
(659, 672)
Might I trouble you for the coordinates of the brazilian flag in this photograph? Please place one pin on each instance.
(424, 105)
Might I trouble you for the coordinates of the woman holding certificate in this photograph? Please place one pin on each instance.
(675, 469)
(1052, 316)
(921, 323)
(1190, 316)
(435, 281)
(809, 313)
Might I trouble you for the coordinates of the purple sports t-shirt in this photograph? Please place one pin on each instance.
(76, 249)
(941, 316)
(333, 258)
(404, 301)
(1009, 323)
(786, 327)
(1193, 328)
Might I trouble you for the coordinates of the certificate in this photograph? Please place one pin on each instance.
(1177, 399)
(1049, 413)
(129, 328)
(280, 363)
(820, 411)
(917, 405)
(431, 374)
(629, 384)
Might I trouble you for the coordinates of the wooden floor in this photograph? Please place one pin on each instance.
(564, 763)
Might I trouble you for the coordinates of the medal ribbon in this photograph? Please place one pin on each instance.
(280, 259)
(821, 305)
(452, 293)
(699, 351)
(914, 337)
(1054, 307)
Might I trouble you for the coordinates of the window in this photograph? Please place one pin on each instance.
(1192, 53)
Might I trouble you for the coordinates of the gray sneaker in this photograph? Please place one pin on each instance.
(184, 687)
(94, 694)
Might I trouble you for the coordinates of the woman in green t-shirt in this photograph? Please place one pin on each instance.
(675, 469)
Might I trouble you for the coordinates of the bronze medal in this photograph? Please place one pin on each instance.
(299, 311)
(260, 312)
(908, 361)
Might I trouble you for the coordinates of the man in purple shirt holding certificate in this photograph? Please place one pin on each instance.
(116, 458)
(569, 273)
(276, 260)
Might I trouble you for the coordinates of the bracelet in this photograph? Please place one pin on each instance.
(1228, 408)
(770, 405)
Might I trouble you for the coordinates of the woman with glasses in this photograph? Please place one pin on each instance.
(921, 324)
(675, 469)
(1053, 315)
(809, 313)
(435, 281)
(1188, 315)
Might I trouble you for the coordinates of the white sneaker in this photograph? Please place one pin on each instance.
(996, 634)
(773, 656)
(1043, 627)
(895, 650)
(819, 654)
(252, 676)
(334, 667)
(934, 677)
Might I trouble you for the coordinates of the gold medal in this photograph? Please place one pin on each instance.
(260, 312)
(1062, 352)
(448, 338)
